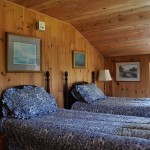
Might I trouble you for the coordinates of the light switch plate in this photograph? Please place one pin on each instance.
(41, 25)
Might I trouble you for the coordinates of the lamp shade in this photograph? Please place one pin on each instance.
(104, 75)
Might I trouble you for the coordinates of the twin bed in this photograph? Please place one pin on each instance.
(115, 105)
(88, 97)
(32, 120)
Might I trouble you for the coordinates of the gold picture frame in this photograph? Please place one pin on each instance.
(79, 59)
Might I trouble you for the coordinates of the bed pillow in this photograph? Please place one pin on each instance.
(90, 92)
(28, 102)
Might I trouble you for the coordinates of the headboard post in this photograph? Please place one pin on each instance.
(47, 81)
(93, 77)
(66, 105)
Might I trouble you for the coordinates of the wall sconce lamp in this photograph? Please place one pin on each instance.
(104, 75)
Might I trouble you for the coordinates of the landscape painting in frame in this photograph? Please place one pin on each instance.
(23, 53)
(128, 71)
(79, 59)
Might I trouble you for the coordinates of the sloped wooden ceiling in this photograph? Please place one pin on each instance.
(114, 27)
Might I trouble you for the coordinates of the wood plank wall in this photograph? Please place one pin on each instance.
(58, 41)
(129, 89)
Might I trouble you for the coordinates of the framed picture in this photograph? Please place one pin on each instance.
(128, 71)
(23, 53)
(79, 59)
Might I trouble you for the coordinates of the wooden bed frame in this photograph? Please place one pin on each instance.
(68, 98)
(47, 88)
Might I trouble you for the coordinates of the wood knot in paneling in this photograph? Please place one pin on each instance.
(2, 40)
(121, 19)
(113, 60)
(30, 27)
(19, 28)
(141, 16)
(109, 21)
(3, 74)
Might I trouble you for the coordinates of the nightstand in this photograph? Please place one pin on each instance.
(3, 142)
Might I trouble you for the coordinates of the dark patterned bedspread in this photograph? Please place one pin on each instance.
(78, 130)
(117, 105)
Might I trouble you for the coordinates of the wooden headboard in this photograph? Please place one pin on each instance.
(47, 88)
(68, 98)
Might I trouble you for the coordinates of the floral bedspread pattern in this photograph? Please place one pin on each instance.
(117, 105)
(78, 130)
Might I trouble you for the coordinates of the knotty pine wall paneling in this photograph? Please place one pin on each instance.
(58, 41)
(130, 89)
